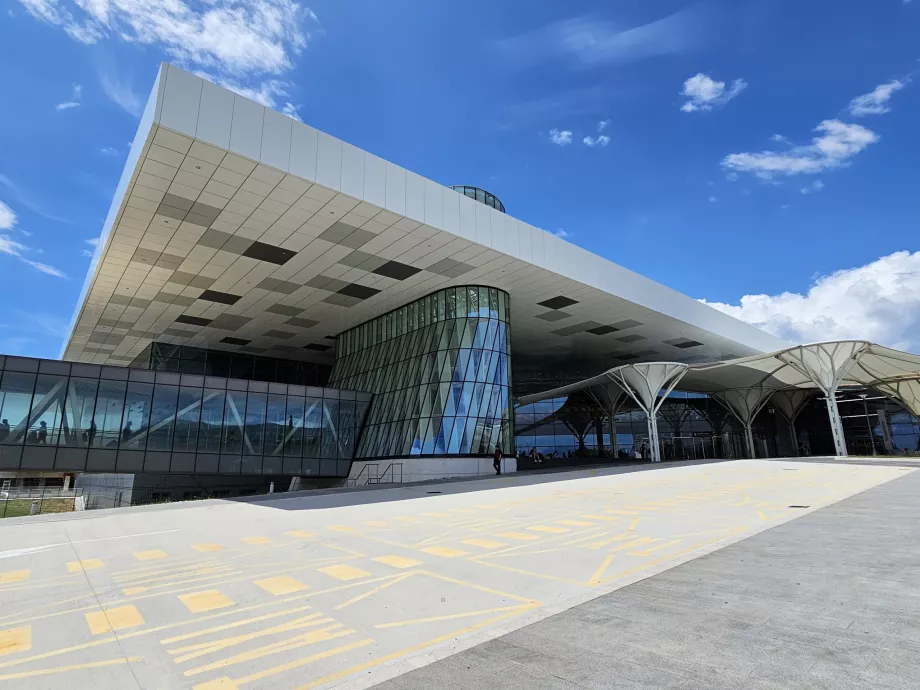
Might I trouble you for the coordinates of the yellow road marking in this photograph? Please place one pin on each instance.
(119, 618)
(199, 602)
(596, 577)
(256, 540)
(341, 528)
(398, 561)
(344, 572)
(299, 534)
(520, 536)
(207, 548)
(14, 576)
(402, 652)
(636, 542)
(762, 516)
(193, 651)
(549, 529)
(632, 525)
(15, 640)
(575, 523)
(666, 545)
(284, 667)
(330, 633)
(151, 555)
(374, 523)
(444, 551)
(217, 684)
(436, 514)
(448, 617)
(88, 564)
(607, 518)
(235, 624)
(68, 669)
(283, 584)
(617, 511)
(379, 588)
(484, 543)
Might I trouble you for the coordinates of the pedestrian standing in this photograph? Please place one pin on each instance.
(497, 460)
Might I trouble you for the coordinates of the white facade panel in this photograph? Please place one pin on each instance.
(450, 209)
(483, 223)
(181, 100)
(246, 129)
(434, 203)
(415, 197)
(467, 227)
(329, 161)
(525, 241)
(304, 143)
(352, 171)
(276, 140)
(396, 189)
(215, 115)
(375, 180)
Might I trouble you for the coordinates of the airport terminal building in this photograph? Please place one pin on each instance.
(268, 301)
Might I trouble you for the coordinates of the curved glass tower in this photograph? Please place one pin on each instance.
(440, 371)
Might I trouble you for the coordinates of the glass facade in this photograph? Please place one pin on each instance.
(86, 417)
(440, 372)
(480, 195)
(183, 359)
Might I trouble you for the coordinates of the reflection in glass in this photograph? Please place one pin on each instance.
(186, 436)
(136, 422)
(210, 427)
(105, 429)
(78, 412)
(255, 424)
(15, 400)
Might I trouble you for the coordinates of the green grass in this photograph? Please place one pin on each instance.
(22, 506)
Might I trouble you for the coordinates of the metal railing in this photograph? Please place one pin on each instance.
(371, 474)
(16, 502)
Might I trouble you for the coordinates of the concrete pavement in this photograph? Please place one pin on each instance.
(348, 590)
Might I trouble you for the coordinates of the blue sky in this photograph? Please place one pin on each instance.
(759, 154)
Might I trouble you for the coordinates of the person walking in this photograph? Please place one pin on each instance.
(497, 460)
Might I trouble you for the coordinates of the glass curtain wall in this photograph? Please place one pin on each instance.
(440, 372)
(63, 416)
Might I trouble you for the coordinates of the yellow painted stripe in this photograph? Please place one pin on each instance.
(199, 602)
(119, 618)
(575, 523)
(14, 576)
(548, 528)
(68, 669)
(151, 555)
(283, 584)
(484, 543)
(256, 540)
(207, 548)
(444, 551)
(299, 534)
(88, 564)
(374, 523)
(344, 572)
(15, 640)
(398, 561)
(520, 536)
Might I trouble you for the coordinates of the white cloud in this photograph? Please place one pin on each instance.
(74, 101)
(562, 234)
(705, 92)
(560, 137)
(121, 92)
(602, 125)
(109, 151)
(713, 199)
(234, 39)
(836, 144)
(879, 302)
(876, 101)
(290, 110)
(779, 138)
(815, 186)
(592, 41)
(11, 247)
(599, 140)
(7, 217)
(92, 242)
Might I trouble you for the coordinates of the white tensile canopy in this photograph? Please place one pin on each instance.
(745, 385)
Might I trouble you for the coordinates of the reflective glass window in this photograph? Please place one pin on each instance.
(187, 420)
(135, 424)
(105, 428)
(254, 431)
(15, 400)
(210, 426)
(276, 425)
(313, 427)
(47, 406)
(234, 411)
(293, 435)
(162, 417)
(78, 412)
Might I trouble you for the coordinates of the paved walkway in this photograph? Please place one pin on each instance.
(830, 601)
(348, 589)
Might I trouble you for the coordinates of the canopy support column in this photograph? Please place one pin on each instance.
(745, 404)
(827, 364)
(791, 403)
(610, 397)
(644, 383)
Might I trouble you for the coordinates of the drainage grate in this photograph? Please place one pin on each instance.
(432, 492)
(800, 506)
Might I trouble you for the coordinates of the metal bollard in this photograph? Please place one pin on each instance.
(271, 488)
(34, 509)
